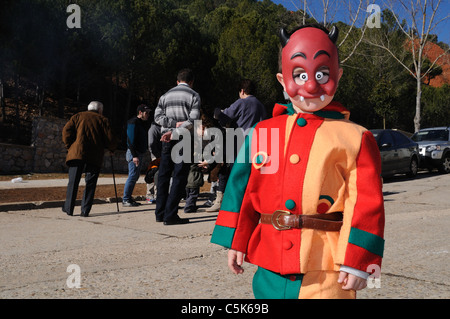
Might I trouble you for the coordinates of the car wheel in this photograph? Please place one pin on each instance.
(413, 167)
(445, 165)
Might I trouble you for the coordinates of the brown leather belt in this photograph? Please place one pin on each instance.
(282, 220)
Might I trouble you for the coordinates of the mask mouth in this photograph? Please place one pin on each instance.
(303, 93)
(321, 97)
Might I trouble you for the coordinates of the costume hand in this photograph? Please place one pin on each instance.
(166, 137)
(235, 260)
(351, 282)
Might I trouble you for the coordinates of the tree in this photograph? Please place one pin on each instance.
(382, 98)
(435, 106)
(247, 47)
(423, 19)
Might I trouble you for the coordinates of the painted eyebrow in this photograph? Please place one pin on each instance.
(298, 54)
(321, 52)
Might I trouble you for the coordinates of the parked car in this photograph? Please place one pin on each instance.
(399, 154)
(434, 148)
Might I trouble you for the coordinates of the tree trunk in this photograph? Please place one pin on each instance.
(2, 102)
(41, 100)
(417, 117)
(16, 102)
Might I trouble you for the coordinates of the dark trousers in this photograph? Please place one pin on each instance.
(76, 168)
(167, 200)
(191, 199)
(224, 173)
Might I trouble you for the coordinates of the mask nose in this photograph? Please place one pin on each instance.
(311, 86)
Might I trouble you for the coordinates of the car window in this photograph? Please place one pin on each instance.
(430, 135)
(400, 139)
(386, 138)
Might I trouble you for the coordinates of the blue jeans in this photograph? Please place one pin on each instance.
(133, 175)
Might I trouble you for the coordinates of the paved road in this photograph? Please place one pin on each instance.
(129, 255)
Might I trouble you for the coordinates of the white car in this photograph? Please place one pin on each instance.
(434, 148)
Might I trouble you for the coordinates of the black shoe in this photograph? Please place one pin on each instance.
(84, 215)
(176, 221)
(130, 203)
(190, 210)
(64, 211)
(159, 220)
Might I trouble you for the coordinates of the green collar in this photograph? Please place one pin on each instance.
(325, 114)
(330, 115)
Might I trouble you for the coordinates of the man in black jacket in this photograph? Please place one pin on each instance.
(137, 146)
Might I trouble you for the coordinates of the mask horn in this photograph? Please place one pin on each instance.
(333, 35)
(284, 37)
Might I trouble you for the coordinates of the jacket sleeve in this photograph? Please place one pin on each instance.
(194, 113)
(230, 113)
(361, 242)
(69, 133)
(237, 218)
(131, 138)
(161, 117)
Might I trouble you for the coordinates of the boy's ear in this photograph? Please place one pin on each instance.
(281, 80)
(341, 71)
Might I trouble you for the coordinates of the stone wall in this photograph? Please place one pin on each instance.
(50, 152)
(16, 159)
(47, 153)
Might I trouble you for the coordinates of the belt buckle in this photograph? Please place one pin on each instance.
(274, 219)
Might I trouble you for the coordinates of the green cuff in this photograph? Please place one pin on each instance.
(223, 236)
(366, 240)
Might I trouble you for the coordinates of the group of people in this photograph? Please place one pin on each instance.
(168, 180)
(315, 225)
(177, 110)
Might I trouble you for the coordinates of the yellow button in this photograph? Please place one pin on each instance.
(294, 159)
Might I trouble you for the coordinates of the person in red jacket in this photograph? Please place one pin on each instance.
(304, 200)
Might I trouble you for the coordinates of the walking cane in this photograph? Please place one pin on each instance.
(114, 179)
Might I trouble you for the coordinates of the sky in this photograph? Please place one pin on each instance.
(342, 13)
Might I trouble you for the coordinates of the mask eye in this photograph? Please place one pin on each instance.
(319, 76)
(322, 77)
(303, 76)
(300, 76)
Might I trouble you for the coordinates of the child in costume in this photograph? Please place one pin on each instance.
(304, 200)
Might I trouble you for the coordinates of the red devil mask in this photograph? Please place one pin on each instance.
(310, 64)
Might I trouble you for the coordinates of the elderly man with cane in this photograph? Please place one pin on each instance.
(86, 136)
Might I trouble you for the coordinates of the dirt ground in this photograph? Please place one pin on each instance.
(59, 193)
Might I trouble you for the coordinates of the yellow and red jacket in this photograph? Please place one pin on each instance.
(306, 164)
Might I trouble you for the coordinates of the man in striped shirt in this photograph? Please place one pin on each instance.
(176, 111)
